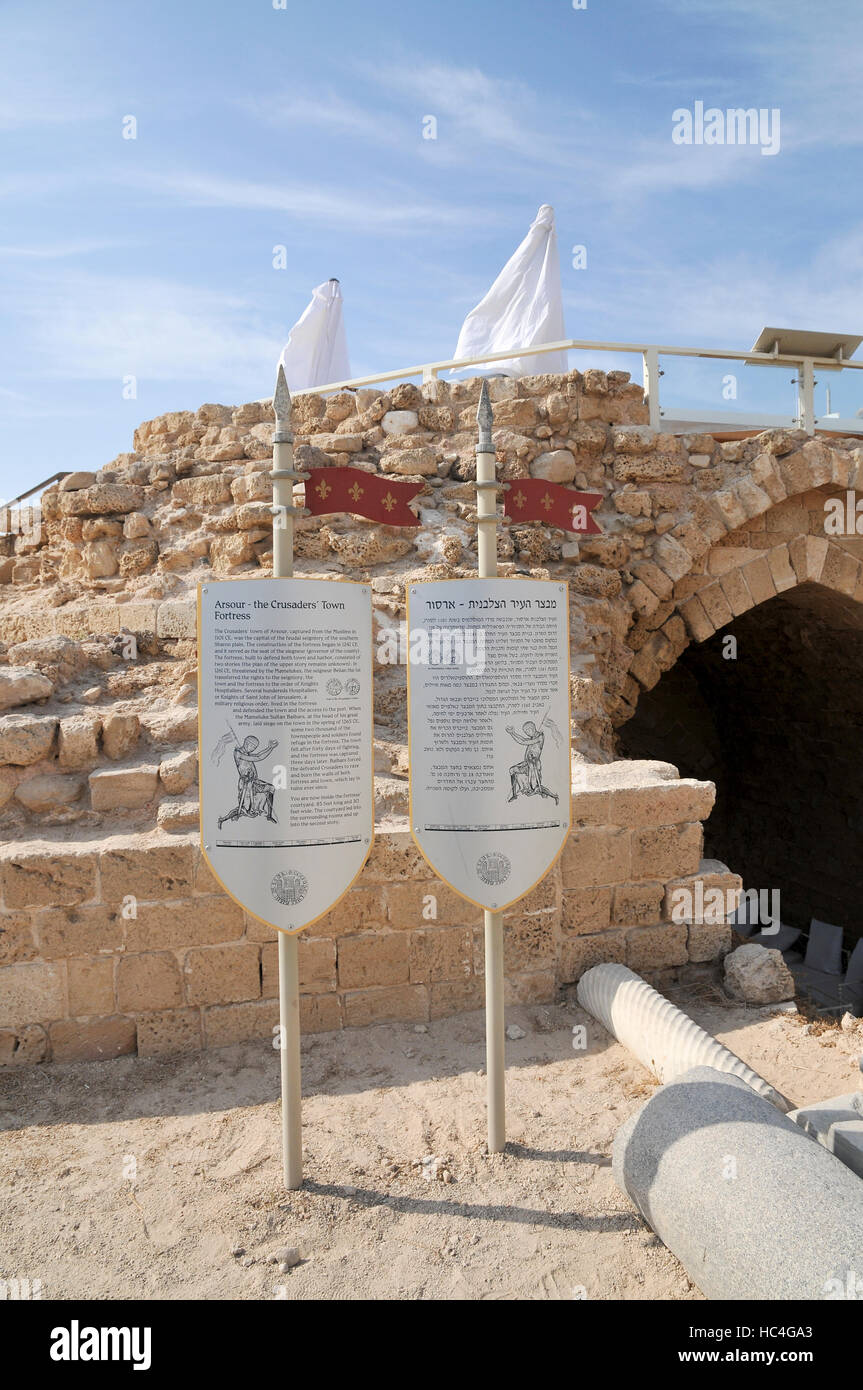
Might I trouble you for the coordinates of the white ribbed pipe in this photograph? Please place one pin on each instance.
(660, 1036)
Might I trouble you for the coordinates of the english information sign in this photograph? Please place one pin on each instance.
(285, 742)
(488, 709)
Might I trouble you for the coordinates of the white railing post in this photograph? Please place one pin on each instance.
(806, 395)
(650, 361)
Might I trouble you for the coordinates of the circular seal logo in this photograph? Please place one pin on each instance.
(493, 868)
(334, 687)
(352, 686)
(289, 887)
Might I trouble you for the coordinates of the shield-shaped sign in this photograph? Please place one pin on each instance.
(488, 708)
(285, 742)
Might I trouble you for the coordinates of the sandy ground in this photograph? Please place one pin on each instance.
(204, 1207)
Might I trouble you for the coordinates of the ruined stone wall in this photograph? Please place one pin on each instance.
(98, 673)
(126, 943)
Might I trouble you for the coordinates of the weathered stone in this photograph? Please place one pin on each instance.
(178, 773)
(102, 498)
(49, 792)
(120, 734)
(557, 466)
(758, 975)
(74, 482)
(420, 462)
(399, 421)
(123, 788)
(26, 738)
(21, 686)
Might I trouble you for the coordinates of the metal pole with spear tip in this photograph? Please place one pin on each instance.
(284, 476)
(486, 510)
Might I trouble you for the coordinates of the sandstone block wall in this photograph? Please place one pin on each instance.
(126, 943)
(98, 687)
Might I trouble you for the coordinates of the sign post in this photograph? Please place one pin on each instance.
(284, 477)
(488, 707)
(495, 1046)
(285, 739)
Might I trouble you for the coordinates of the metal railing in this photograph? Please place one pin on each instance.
(11, 521)
(650, 353)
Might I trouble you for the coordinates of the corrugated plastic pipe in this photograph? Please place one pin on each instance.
(662, 1037)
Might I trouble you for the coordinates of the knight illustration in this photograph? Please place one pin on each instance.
(254, 796)
(526, 777)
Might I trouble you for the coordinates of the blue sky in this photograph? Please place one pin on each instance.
(258, 127)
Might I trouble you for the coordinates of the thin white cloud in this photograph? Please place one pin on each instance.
(60, 250)
(325, 109)
(370, 209)
(81, 326)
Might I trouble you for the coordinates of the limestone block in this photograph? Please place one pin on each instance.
(581, 953)
(24, 1046)
(656, 947)
(399, 421)
(177, 618)
(177, 817)
(101, 499)
(46, 876)
(439, 953)
(119, 734)
(208, 491)
(373, 959)
(172, 1030)
(26, 738)
(420, 462)
(222, 974)
(123, 788)
(21, 685)
(17, 942)
(93, 1040)
(232, 1023)
(49, 792)
(32, 993)
(149, 981)
(91, 986)
(666, 851)
(171, 725)
(758, 975)
(390, 1004)
(586, 910)
(556, 466)
(74, 482)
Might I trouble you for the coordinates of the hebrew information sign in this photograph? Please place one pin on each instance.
(488, 700)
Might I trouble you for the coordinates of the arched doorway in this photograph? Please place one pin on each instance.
(770, 708)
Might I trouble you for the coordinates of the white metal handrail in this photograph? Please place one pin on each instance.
(650, 354)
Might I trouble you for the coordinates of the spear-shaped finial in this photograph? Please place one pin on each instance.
(282, 396)
(282, 405)
(485, 420)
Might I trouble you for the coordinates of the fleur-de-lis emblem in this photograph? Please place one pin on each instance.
(389, 502)
(547, 502)
(519, 500)
(323, 489)
(356, 492)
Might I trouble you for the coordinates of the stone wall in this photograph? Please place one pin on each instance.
(98, 667)
(112, 945)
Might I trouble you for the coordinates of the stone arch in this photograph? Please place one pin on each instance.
(757, 538)
(776, 725)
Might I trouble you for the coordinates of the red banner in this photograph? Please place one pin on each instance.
(533, 499)
(364, 494)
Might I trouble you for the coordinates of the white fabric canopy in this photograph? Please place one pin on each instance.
(317, 350)
(523, 308)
